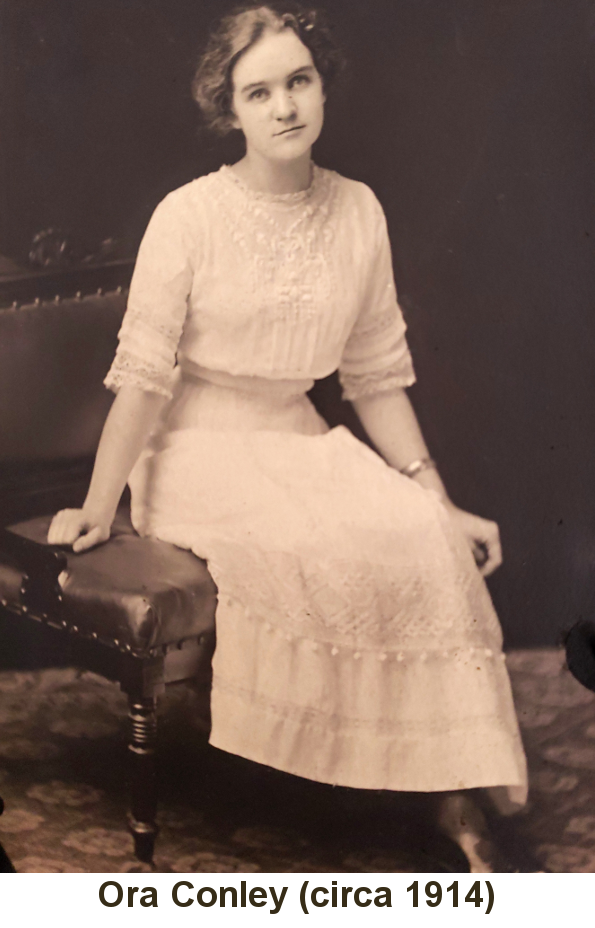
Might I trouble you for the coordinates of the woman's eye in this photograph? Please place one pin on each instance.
(257, 94)
(299, 79)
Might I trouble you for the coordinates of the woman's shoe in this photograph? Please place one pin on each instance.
(461, 820)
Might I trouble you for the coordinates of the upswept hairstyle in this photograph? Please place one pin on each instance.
(212, 87)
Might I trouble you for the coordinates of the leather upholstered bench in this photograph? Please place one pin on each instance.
(135, 610)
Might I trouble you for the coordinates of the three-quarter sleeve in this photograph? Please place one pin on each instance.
(376, 357)
(157, 304)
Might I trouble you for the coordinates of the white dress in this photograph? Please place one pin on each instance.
(356, 641)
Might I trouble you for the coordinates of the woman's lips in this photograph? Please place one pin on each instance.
(287, 131)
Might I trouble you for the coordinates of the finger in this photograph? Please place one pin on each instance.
(94, 537)
(487, 531)
(496, 550)
(58, 532)
(55, 528)
(486, 547)
(481, 552)
(72, 531)
(493, 537)
(55, 532)
(62, 525)
(493, 562)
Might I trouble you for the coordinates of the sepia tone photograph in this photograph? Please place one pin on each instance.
(297, 456)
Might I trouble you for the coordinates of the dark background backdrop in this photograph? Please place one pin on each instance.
(473, 122)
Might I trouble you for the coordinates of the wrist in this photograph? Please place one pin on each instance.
(99, 513)
(424, 471)
(418, 466)
(448, 503)
(430, 480)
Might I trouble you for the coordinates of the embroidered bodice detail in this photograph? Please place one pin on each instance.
(263, 285)
(286, 240)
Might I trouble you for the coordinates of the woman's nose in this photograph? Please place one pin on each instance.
(283, 105)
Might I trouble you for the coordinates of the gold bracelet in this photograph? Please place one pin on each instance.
(416, 467)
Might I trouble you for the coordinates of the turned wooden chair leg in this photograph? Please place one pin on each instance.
(143, 719)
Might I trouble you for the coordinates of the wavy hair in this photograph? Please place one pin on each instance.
(239, 30)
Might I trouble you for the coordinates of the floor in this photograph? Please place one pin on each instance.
(63, 768)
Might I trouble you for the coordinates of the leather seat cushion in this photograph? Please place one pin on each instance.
(133, 592)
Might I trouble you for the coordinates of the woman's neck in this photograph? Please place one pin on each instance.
(274, 176)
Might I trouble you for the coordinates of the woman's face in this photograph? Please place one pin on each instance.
(278, 101)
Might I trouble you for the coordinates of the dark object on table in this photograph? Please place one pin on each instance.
(5, 863)
(580, 653)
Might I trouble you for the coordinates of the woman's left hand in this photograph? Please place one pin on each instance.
(483, 537)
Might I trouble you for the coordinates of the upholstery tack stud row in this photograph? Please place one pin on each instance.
(59, 298)
(64, 625)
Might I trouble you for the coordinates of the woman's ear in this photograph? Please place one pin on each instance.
(232, 118)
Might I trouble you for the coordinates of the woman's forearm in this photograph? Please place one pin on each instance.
(391, 423)
(125, 433)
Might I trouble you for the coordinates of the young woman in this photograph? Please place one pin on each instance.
(356, 641)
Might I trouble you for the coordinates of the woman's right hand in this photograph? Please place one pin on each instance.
(78, 528)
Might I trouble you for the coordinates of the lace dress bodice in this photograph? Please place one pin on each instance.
(281, 287)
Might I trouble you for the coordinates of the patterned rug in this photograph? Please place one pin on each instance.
(63, 780)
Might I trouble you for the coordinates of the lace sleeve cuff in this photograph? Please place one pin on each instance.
(394, 377)
(130, 370)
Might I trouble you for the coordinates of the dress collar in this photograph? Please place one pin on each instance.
(290, 199)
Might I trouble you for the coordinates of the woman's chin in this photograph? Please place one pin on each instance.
(293, 146)
(294, 149)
